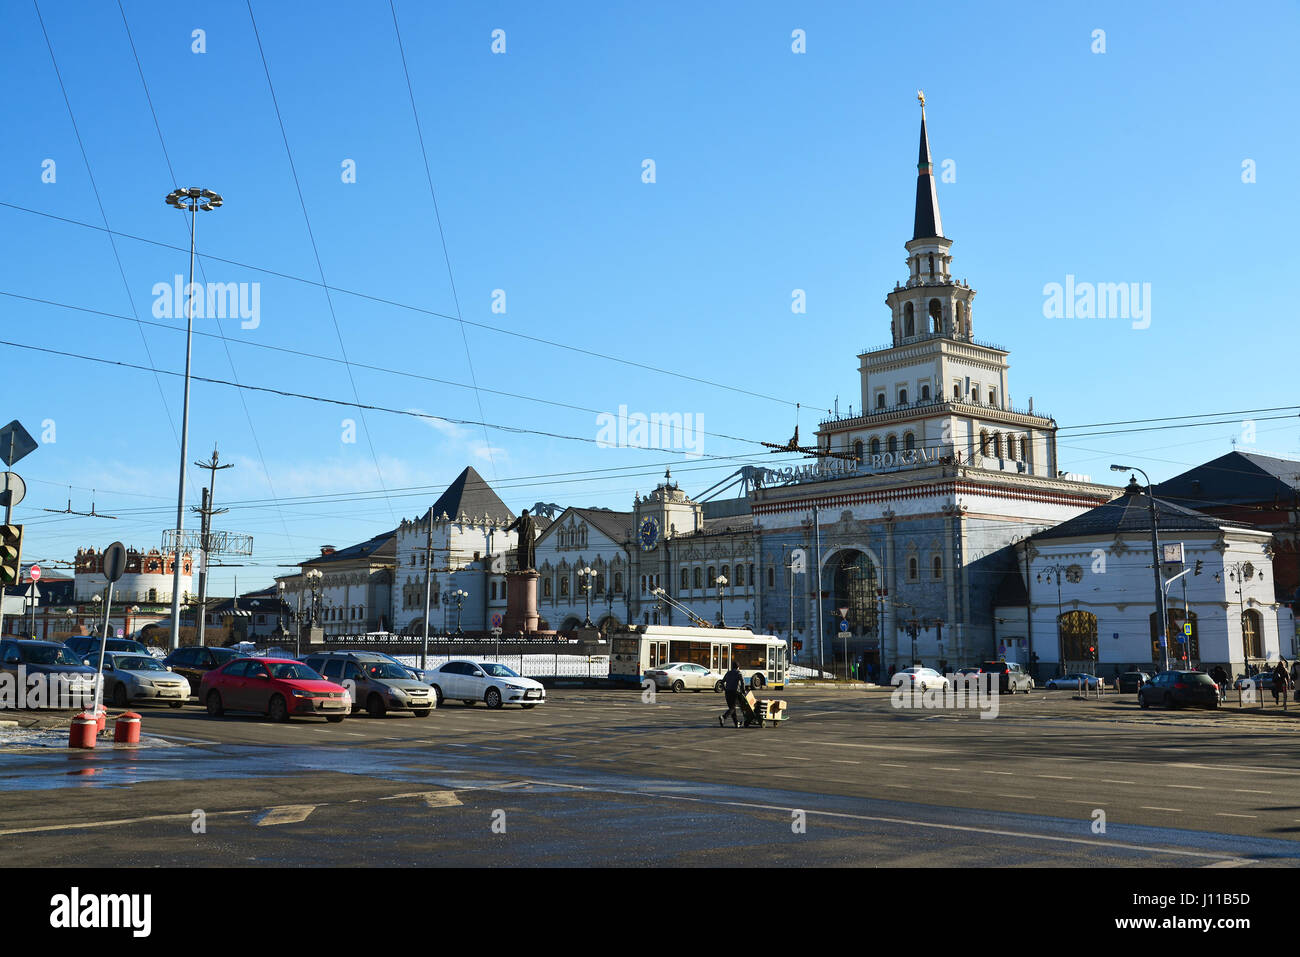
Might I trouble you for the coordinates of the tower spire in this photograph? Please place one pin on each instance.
(927, 223)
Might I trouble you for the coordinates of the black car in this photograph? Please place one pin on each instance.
(1132, 681)
(193, 662)
(50, 659)
(1176, 689)
(87, 646)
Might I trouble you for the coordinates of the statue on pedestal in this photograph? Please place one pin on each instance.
(526, 552)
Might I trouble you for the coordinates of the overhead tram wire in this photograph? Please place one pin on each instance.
(90, 175)
(320, 267)
(381, 300)
(334, 359)
(171, 172)
(437, 215)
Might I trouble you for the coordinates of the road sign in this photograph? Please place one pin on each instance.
(33, 594)
(114, 561)
(496, 621)
(1187, 629)
(844, 626)
(35, 573)
(1116, 636)
(1162, 642)
(15, 443)
(12, 489)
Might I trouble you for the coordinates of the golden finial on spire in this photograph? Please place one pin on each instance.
(920, 95)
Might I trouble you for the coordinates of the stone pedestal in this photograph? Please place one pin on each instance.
(521, 603)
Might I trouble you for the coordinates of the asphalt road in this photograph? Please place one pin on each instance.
(601, 777)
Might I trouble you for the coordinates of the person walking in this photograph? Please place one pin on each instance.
(1295, 674)
(1221, 679)
(733, 683)
(1279, 679)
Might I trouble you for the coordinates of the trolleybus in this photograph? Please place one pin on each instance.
(634, 649)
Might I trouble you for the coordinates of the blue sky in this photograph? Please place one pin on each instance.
(775, 171)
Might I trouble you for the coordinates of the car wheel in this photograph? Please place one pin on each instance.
(333, 718)
(215, 708)
(493, 698)
(120, 699)
(176, 704)
(757, 682)
(678, 685)
(527, 706)
(717, 686)
(423, 713)
(277, 709)
(375, 706)
(437, 696)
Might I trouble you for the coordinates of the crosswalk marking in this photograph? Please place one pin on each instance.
(286, 814)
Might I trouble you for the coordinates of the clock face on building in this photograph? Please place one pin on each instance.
(648, 534)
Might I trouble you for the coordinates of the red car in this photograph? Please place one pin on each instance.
(278, 687)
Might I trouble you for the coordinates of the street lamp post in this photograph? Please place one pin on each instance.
(1161, 625)
(191, 200)
(1056, 571)
(314, 577)
(1237, 572)
(459, 596)
(585, 575)
(721, 582)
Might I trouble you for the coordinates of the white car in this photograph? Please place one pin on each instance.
(1071, 682)
(493, 684)
(683, 675)
(922, 678)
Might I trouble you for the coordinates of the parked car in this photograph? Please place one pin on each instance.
(48, 659)
(1175, 689)
(131, 677)
(87, 647)
(278, 687)
(193, 662)
(1132, 681)
(1011, 676)
(377, 682)
(684, 675)
(414, 672)
(494, 684)
(1070, 682)
(922, 678)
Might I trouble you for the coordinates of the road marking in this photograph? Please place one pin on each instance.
(1236, 863)
(287, 814)
(1226, 814)
(883, 765)
(1112, 781)
(1008, 773)
(751, 754)
(842, 761)
(937, 768)
(1148, 807)
(905, 787)
(1018, 797)
(795, 757)
(1057, 777)
(441, 799)
(1249, 791)
(878, 747)
(116, 823)
(1187, 787)
(354, 734)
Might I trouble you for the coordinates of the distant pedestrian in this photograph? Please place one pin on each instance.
(1279, 679)
(1295, 674)
(733, 682)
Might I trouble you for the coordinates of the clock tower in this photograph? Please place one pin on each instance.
(659, 518)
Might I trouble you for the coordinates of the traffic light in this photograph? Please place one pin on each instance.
(1092, 652)
(1199, 565)
(11, 552)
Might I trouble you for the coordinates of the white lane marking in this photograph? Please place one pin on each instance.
(905, 787)
(1018, 797)
(937, 768)
(1056, 777)
(1187, 787)
(120, 822)
(795, 757)
(1008, 773)
(1236, 863)
(1249, 791)
(286, 814)
(842, 761)
(350, 734)
(1240, 770)
(441, 799)
(883, 765)
(1226, 814)
(1112, 781)
(879, 747)
(1148, 807)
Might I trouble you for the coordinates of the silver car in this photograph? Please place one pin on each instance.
(133, 677)
(683, 676)
(375, 682)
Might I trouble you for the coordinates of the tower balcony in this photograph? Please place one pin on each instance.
(962, 407)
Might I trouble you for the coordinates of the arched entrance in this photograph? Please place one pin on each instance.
(1078, 630)
(854, 587)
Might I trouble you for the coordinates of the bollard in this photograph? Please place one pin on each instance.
(81, 734)
(101, 720)
(126, 729)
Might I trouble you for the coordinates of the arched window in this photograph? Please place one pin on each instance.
(902, 397)
(880, 400)
(1024, 457)
(712, 577)
(686, 579)
(892, 443)
(993, 397)
(726, 572)
(618, 583)
(1252, 634)
(984, 442)
(912, 573)
(875, 446)
(937, 566)
(1011, 447)
(925, 393)
(931, 265)
(546, 588)
(909, 441)
(740, 576)
(909, 321)
(698, 575)
(493, 590)
(961, 318)
(564, 585)
(771, 577)
(936, 316)
(857, 450)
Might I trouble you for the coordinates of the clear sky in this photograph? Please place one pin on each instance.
(774, 171)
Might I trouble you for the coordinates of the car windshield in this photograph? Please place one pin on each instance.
(499, 671)
(384, 669)
(48, 655)
(137, 663)
(124, 645)
(223, 655)
(1198, 678)
(293, 671)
